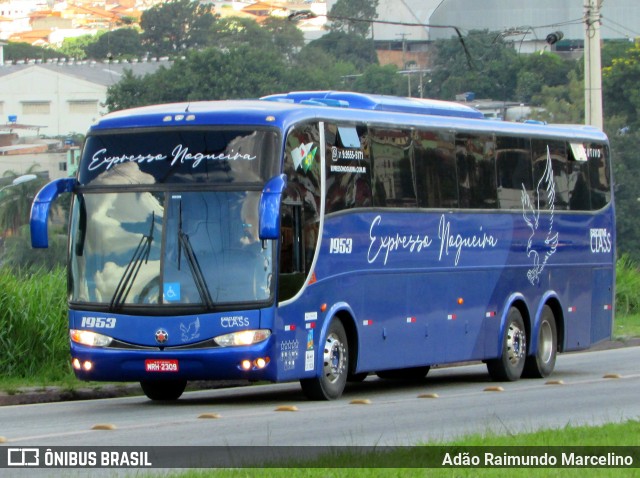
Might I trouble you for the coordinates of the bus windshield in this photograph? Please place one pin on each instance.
(171, 218)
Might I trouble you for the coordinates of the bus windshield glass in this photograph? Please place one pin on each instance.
(169, 248)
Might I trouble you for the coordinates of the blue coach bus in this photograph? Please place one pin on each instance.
(324, 236)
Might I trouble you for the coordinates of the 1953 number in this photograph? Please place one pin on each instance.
(98, 322)
(341, 245)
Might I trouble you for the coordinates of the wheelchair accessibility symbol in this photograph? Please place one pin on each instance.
(171, 292)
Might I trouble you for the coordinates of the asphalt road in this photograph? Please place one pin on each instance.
(376, 412)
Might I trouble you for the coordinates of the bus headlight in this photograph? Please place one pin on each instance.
(92, 339)
(243, 337)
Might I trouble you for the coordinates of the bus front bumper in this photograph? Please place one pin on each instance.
(255, 362)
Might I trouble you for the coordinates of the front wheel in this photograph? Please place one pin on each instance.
(508, 367)
(542, 363)
(330, 384)
(163, 389)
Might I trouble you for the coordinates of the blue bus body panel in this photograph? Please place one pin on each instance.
(422, 290)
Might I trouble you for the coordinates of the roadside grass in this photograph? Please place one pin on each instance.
(385, 463)
(626, 327)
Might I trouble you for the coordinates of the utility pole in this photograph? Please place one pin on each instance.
(592, 65)
(404, 64)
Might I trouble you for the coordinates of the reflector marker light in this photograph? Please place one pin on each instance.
(607, 307)
(367, 322)
(289, 328)
(411, 320)
(451, 317)
(571, 309)
(491, 313)
(310, 325)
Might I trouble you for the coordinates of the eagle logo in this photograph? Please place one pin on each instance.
(545, 196)
(190, 331)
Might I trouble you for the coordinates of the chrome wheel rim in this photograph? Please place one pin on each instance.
(516, 344)
(545, 343)
(335, 361)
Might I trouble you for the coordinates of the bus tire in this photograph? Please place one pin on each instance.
(357, 377)
(509, 366)
(163, 389)
(413, 373)
(541, 364)
(330, 383)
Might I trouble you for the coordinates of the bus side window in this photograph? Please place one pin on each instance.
(435, 169)
(550, 163)
(393, 168)
(579, 199)
(599, 177)
(514, 171)
(348, 170)
(291, 270)
(300, 213)
(476, 171)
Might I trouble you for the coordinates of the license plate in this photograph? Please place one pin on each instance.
(161, 365)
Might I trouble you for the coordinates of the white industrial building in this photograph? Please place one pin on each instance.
(61, 98)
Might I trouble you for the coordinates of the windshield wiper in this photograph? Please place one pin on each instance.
(133, 267)
(194, 266)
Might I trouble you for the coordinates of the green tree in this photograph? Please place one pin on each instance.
(274, 33)
(538, 71)
(242, 72)
(316, 69)
(120, 43)
(209, 74)
(562, 103)
(130, 91)
(382, 80)
(76, 47)
(353, 16)
(176, 25)
(621, 95)
(626, 171)
(346, 47)
(482, 63)
(15, 51)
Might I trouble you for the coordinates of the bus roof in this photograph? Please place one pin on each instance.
(284, 110)
(378, 103)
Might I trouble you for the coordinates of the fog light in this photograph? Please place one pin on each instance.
(76, 363)
(245, 364)
(261, 363)
(87, 366)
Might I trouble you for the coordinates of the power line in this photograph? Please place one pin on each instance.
(619, 25)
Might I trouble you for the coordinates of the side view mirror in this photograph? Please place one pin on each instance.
(41, 207)
(269, 212)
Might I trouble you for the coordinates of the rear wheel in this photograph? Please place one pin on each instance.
(541, 364)
(413, 373)
(330, 384)
(163, 389)
(508, 367)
